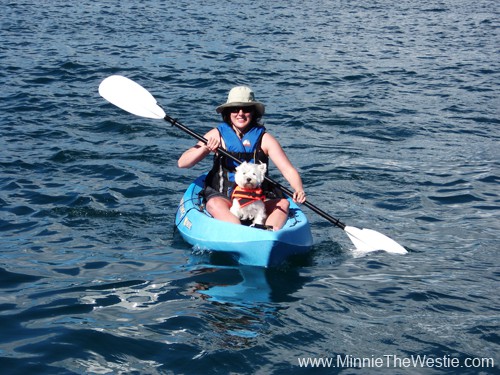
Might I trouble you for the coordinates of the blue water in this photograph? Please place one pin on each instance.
(390, 111)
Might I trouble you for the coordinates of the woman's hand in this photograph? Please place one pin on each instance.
(299, 196)
(213, 143)
(193, 155)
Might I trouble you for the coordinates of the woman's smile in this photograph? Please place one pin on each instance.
(241, 118)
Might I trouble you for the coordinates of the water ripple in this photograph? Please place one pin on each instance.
(390, 112)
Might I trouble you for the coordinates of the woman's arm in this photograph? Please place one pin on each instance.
(272, 148)
(197, 153)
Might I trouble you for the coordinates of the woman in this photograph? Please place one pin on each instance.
(241, 135)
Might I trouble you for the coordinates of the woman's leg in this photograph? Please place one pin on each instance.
(277, 211)
(219, 207)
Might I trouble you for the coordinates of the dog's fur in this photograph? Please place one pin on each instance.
(250, 176)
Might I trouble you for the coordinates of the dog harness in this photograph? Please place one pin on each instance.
(247, 196)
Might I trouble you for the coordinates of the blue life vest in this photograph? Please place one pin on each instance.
(221, 177)
(243, 149)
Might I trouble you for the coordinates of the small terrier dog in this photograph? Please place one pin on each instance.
(248, 197)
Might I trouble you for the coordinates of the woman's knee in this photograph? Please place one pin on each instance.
(280, 205)
(219, 208)
(283, 204)
(217, 204)
(286, 202)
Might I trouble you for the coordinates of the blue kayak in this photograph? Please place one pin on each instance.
(248, 246)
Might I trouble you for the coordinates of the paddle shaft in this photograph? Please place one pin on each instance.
(284, 189)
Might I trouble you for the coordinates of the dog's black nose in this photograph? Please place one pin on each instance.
(249, 179)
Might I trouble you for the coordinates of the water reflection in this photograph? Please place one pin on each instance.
(245, 285)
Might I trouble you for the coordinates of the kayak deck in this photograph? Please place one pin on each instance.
(249, 246)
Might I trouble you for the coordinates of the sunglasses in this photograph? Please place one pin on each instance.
(247, 109)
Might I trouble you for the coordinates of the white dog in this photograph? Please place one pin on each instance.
(248, 198)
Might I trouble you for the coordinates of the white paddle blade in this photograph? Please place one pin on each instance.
(367, 240)
(130, 96)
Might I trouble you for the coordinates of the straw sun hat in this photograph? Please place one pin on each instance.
(242, 96)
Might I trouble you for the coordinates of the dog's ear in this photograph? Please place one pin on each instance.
(263, 168)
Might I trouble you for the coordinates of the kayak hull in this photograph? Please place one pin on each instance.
(249, 246)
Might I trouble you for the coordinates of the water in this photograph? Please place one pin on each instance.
(388, 109)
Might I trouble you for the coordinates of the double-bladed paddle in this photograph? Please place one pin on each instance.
(132, 97)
